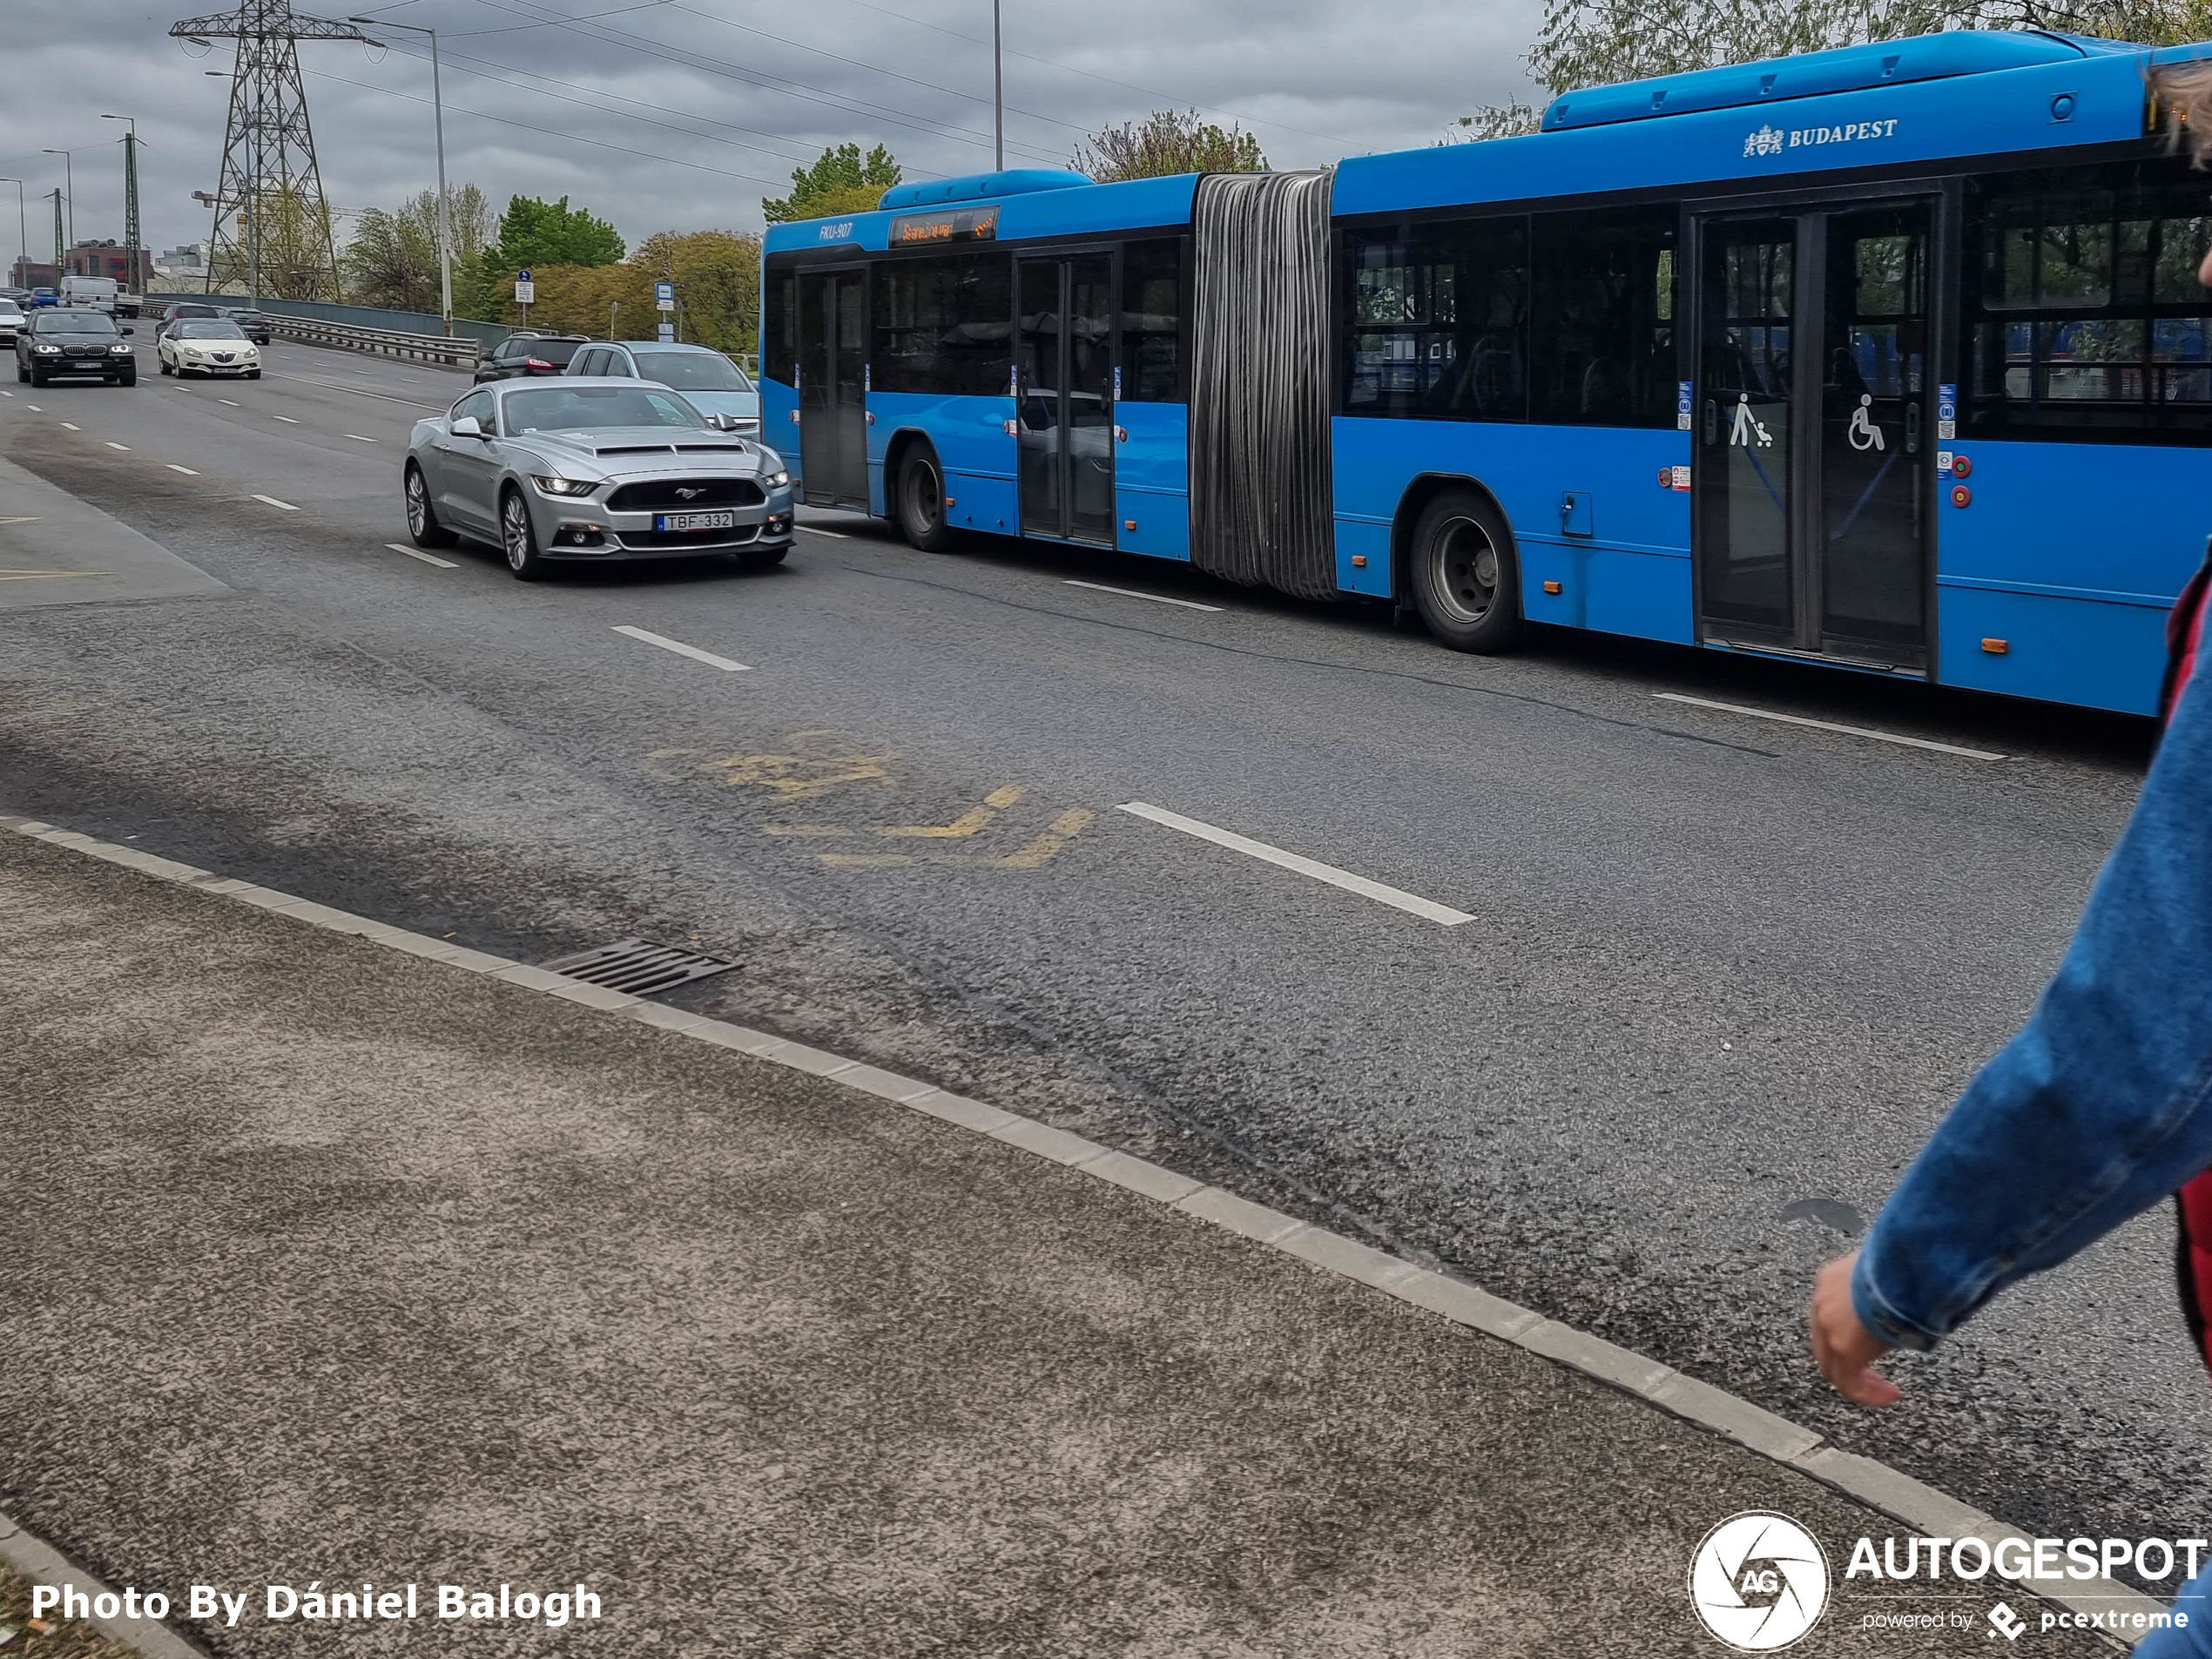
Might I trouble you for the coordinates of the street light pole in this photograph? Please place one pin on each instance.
(23, 228)
(69, 174)
(445, 202)
(130, 199)
(998, 90)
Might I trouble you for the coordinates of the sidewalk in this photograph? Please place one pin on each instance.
(325, 1262)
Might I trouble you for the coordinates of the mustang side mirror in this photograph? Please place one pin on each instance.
(468, 427)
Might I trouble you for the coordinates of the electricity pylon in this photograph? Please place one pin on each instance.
(269, 177)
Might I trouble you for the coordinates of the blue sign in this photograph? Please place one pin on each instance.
(663, 290)
(523, 275)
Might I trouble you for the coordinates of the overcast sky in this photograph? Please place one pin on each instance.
(683, 114)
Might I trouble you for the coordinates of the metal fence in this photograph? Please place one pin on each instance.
(383, 342)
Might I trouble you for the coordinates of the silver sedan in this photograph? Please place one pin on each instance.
(594, 470)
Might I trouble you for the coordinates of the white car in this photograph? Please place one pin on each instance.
(208, 346)
(10, 321)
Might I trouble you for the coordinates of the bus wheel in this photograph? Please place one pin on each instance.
(1466, 582)
(922, 503)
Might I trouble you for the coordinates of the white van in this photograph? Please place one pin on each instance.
(96, 292)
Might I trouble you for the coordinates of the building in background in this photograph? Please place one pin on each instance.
(32, 274)
(109, 259)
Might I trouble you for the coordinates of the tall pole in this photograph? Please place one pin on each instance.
(130, 199)
(69, 175)
(445, 202)
(998, 91)
(23, 228)
(57, 240)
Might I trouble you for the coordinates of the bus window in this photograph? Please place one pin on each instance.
(1601, 334)
(779, 350)
(1151, 317)
(2084, 317)
(944, 324)
(1440, 321)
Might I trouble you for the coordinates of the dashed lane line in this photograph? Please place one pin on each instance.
(682, 650)
(1412, 903)
(173, 466)
(274, 502)
(1830, 726)
(358, 391)
(357, 438)
(841, 535)
(71, 426)
(426, 558)
(1131, 593)
(112, 444)
(286, 419)
(232, 401)
(7, 394)
(34, 409)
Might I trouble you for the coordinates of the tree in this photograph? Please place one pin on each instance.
(840, 181)
(534, 232)
(1170, 141)
(392, 260)
(1595, 43)
(717, 275)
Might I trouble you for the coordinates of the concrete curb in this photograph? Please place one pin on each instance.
(42, 1563)
(1876, 1486)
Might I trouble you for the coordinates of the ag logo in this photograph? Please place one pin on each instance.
(1759, 1582)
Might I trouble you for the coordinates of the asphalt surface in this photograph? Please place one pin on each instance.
(326, 1264)
(1721, 977)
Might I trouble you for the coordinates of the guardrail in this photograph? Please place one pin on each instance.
(384, 342)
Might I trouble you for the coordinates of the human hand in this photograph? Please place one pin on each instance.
(1844, 1349)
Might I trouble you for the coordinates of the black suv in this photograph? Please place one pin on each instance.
(520, 355)
(76, 341)
(252, 324)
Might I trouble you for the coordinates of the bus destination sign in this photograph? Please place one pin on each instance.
(953, 225)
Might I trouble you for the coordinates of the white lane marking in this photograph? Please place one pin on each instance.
(286, 419)
(682, 650)
(71, 426)
(426, 558)
(187, 471)
(1412, 903)
(112, 444)
(1830, 726)
(34, 409)
(1131, 593)
(7, 394)
(232, 401)
(274, 502)
(842, 535)
(357, 438)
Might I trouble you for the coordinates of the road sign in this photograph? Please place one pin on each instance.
(667, 331)
(665, 295)
(525, 290)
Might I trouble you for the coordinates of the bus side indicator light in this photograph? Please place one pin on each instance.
(1359, 561)
(1961, 495)
(948, 501)
(1997, 647)
(1554, 587)
(1129, 524)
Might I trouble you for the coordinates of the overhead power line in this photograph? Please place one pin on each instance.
(766, 82)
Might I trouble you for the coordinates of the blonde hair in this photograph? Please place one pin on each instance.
(2182, 95)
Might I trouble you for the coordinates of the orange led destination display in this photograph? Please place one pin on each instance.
(953, 225)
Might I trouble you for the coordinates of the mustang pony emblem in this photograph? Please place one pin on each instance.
(686, 493)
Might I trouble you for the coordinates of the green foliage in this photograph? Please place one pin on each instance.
(534, 232)
(717, 275)
(1597, 43)
(392, 260)
(840, 181)
(1169, 142)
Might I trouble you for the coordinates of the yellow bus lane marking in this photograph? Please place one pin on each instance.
(971, 822)
(1039, 853)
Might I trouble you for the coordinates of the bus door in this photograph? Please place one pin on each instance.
(832, 387)
(1066, 405)
(1814, 432)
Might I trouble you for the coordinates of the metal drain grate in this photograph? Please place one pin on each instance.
(637, 966)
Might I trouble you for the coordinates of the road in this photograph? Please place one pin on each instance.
(1718, 975)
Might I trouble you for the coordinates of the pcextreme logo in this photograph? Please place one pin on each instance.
(1759, 1582)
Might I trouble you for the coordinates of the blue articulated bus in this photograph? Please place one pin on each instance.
(1891, 358)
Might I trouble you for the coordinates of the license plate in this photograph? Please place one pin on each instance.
(695, 521)
(93, 362)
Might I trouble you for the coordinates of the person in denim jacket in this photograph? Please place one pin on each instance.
(2102, 1106)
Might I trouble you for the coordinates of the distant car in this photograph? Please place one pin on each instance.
(255, 325)
(44, 297)
(520, 356)
(66, 344)
(593, 469)
(208, 346)
(710, 381)
(11, 320)
(183, 309)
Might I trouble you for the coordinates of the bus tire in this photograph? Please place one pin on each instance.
(1463, 574)
(922, 503)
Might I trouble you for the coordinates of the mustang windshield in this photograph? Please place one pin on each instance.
(581, 408)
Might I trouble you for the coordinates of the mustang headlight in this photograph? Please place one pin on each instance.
(562, 486)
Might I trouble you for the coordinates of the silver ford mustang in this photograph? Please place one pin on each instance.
(597, 470)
